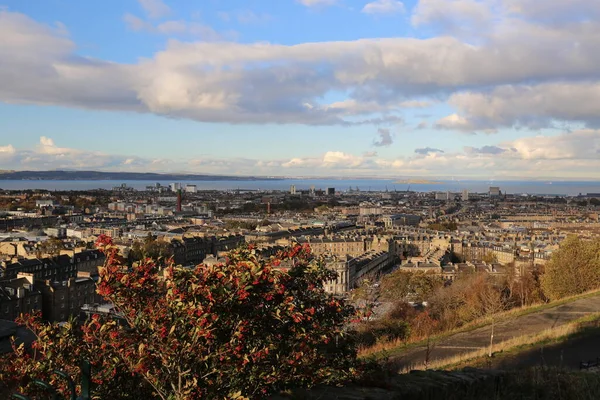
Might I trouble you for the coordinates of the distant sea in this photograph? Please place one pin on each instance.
(560, 188)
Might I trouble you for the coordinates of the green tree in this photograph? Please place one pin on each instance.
(489, 258)
(52, 246)
(419, 286)
(150, 247)
(573, 269)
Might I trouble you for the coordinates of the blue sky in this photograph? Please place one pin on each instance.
(467, 88)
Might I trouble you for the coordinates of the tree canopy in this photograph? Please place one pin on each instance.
(573, 269)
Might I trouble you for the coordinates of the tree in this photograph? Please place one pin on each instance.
(402, 284)
(493, 302)
(490, 258)
(159, 251)
(573, 269)
(51, 246)
(242, 329)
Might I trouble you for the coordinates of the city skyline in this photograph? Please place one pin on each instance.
(482, 89)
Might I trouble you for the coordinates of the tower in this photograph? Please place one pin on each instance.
(179, 198)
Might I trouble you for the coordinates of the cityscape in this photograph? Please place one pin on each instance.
(299, 199)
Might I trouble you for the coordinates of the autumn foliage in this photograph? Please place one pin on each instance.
(242, 329)
(573, 269)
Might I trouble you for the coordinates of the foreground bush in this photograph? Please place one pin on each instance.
(239, 330)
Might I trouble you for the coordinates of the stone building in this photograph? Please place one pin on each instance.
(61, 300)
(340, 247)
(19, 296)
(192, 250)
(57, 268)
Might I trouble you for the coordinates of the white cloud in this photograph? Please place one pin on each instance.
(566, 155)
(384, 7)
(578, 145)
(454, 16)
(155, 8)
(271, 83)
(7, 150)
(47, 155)
(454, 121)
(535, 106)
(317, 3)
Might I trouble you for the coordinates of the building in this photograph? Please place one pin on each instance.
(442, 196)
(495, 191)
(292, 189)
(340, 247)
(193, 250)
(19, 296)
(392, 221)
(113, 232)
(330, 191)
(17, 247)
(366, 209)
(59, 232)
(44, 203)
(175, 187)
(61, 300)
(352, 271)
(465, 195)
(190, 188)
(58, 268)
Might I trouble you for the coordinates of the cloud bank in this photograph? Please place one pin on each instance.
(567, 155)
(527, 66)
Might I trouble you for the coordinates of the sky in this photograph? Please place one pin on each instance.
(481, 89)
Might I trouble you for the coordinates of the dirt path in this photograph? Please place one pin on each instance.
(479, 338)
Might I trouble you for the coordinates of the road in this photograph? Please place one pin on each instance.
(466, 342)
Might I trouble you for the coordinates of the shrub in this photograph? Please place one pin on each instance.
(243, 329)
(573, 269)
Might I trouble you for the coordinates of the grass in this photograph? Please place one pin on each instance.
(580, 327)
(391, 348)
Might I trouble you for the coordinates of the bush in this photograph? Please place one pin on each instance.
(573, 269)
(243, 329)
(391, 329)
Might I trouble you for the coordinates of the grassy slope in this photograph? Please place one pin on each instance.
(383, 350)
